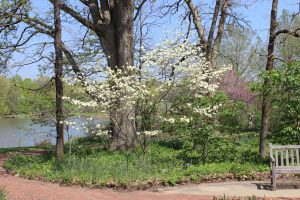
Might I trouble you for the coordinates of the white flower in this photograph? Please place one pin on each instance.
(185, 119)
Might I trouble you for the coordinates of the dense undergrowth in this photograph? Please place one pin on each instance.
(3, 194)
(88, 163)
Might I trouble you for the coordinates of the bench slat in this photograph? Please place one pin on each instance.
(292, 157)
(287, 157)
(292, 170)
(285, 146)
(276, 158)
(297, 156)
(281, 158)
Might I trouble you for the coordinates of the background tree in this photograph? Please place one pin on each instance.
(58, 82)
(267, 86)
(3, 93)
(210, 44)
(288, 46)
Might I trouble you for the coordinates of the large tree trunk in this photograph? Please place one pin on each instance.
(58, 82)
(118, 45)
(123, 130)
(112, 21)
(267, 83)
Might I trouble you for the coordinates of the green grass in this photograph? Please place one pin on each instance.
(239, 198)
(3, 194)
(103, 168)
(25, 149)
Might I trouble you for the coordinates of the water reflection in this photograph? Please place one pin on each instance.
(15, 132)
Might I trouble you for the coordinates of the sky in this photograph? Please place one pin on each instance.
(256, 13)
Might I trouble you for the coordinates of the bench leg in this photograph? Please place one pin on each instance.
(273, 182)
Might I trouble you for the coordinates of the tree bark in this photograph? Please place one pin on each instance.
(123, 129)
(117, 42)
(267, 83)
(212, 29)
(197, 22)
(112, 21)
(214, 52)
(58, 82)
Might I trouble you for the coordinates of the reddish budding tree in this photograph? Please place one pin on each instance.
(237, 88)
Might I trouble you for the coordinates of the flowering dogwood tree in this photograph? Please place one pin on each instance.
(148, 95)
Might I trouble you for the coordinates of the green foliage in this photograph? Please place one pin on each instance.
(91, 165)
(194, 134)
(4, 83)
(35, 98)
(230, 115)
(24, 97)
(286, 103)
(3, 194)
(200, 135)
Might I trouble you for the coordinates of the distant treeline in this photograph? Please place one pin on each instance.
(31, 96)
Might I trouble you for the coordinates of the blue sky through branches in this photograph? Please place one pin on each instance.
(257, 14)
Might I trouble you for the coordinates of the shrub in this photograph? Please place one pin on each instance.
(3, 194)
(120, 169)
(285, 98)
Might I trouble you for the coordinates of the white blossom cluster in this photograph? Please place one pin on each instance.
(172, 65)
(183, 119)
(150, 133)
(80, 103)
(116, 86)
(181, 64)
(207, 111)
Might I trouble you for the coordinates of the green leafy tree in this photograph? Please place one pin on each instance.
(286, 103)
(4, 83)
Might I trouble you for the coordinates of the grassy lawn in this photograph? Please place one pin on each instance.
(26, 149)
(239, 198)
(93, 166)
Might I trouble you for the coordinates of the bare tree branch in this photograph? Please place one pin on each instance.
(293, 33)
(197, 21)
(75, 15)
(138, 9)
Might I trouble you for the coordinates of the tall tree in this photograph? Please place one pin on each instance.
(267, 82)
(58, 82)
(112, 23)
(266, 102)
(241, 49)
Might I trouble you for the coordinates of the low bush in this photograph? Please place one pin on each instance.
(104, 168)
(3, 194)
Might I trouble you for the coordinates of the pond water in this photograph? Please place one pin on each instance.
(15, 132)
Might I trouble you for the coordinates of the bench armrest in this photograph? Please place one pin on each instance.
(272, 163)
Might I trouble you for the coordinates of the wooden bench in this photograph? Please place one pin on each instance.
(284, 160)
